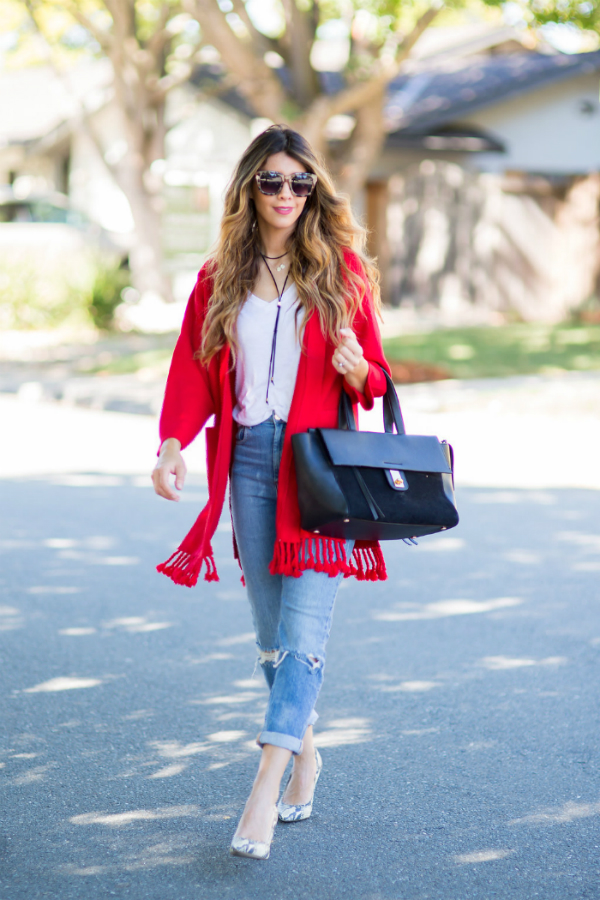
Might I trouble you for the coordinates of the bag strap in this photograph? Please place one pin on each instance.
(392, 414)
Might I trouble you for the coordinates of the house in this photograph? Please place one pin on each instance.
(482, 205)
(486, 197)
(45, 146)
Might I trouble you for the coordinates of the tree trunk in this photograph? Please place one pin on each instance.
(143, 129)
(146, 257)
(365, 146)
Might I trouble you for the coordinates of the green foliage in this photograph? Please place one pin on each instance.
(589, 311)
(126, 363)
(34, 296)
(37, 294)
(105, 293)
(70, 43)
(505, 350)
(584, 15)
(63, 25)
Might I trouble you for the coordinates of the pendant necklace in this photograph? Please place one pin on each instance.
(278, 268)
(271, 375)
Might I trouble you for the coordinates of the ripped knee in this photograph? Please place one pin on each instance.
(313, 662)
(267, 656)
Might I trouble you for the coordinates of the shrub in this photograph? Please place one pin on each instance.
(106, 290)
(35, 295)
(40, 293)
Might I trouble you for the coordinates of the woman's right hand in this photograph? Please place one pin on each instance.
(170, 462)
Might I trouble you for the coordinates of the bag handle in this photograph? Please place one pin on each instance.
(392, 414)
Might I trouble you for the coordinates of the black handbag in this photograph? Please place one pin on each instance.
(368, 485)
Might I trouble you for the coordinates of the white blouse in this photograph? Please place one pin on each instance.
(255, 326)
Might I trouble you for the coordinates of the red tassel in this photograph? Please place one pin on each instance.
(367, 564)
(370, 574)
(290, 559)
(317, 556)
(276, 561)
(182, 568)
(357, 568)
(335, 560)
(325, 555)
(381, 569)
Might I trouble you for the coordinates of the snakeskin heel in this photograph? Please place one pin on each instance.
(241, 846)
(288, 812)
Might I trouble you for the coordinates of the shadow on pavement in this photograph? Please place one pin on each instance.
(458, 717)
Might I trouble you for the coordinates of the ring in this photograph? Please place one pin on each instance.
(341, 365)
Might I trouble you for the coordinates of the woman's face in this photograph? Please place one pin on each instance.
(283, 210)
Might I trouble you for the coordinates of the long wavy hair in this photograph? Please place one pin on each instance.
(325, 228)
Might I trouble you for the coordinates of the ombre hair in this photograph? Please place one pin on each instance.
(326, 227)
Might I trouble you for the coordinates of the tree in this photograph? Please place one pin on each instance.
(583, 15)
(276, 74)
(155, 45)
(152, 49)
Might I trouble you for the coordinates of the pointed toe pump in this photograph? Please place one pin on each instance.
(289, 812)
(241, 846)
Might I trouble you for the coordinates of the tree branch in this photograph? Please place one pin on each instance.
(262, 43)
(358, 95)
(160, 87)
(366, 143)
(255, 80)
(169, 82)
(82, 116)
(158, 40)
(122, 13)
(301, 26)
(102, 37)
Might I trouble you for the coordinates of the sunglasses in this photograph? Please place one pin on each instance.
(271, 183)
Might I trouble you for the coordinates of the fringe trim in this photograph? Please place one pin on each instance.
(368, 564)
(184, 568)
(327, 555)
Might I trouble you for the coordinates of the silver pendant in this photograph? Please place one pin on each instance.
(280, 268)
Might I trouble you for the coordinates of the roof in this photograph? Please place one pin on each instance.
(212, 78)
(426, 101)
(469, 38)
(36, 100)
(447, 139)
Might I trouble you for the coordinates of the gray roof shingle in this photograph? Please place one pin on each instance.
(433, 98)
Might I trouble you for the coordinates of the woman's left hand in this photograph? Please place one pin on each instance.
(348, 360)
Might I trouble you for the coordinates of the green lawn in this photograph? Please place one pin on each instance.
(503, 350)
(461, 352)
(128, 363)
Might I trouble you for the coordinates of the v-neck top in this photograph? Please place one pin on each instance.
(255, 326)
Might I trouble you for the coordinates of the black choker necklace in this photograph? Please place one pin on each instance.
(264, 256)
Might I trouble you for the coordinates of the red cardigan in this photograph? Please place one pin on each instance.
(194, 392)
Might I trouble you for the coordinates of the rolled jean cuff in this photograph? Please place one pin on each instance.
(312, 718)
(287, 741)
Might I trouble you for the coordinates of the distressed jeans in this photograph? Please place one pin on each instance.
(292, 616)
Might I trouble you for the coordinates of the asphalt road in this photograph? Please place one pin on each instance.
(459, 714)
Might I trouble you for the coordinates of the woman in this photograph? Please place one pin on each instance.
(282, 319)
